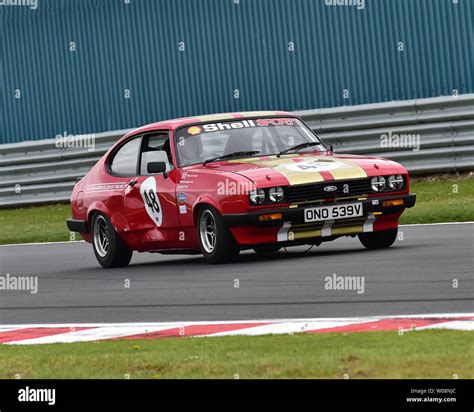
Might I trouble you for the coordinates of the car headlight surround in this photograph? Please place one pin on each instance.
(257, 196)
(276, 194)
(395, 182)
(378, 183)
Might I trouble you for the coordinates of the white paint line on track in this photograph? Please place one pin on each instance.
(437, 224)
(43, 243)
(230, 322)
(455, 324)
(361, 324)
(82, 241)
(2, 329)
(90, 335)
(286, 328)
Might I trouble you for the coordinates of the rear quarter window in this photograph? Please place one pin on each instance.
(125, 160)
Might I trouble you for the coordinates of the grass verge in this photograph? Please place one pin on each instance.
(35, 224)
(439, 199)
(417, 354)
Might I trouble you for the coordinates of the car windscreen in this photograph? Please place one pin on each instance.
(267, 136)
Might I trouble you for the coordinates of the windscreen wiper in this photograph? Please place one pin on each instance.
(233, 154)
(298, 147)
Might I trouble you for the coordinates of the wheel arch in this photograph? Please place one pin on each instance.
(203, 203)
(119, 221)
(96, 207)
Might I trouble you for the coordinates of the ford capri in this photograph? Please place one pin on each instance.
(220, 184)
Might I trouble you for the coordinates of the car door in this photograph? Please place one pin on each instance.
(121, 168)
(150, 198)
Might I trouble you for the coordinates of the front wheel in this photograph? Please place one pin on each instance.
(109, 249)
(378, 240)
(215, 240)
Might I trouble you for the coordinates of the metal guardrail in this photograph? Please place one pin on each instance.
(440, 132)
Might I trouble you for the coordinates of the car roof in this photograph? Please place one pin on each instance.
(173, 124)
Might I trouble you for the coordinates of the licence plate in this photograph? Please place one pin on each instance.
(344, 211)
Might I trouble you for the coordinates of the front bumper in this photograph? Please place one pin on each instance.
(296, 215)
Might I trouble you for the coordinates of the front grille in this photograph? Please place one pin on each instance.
(315, 191)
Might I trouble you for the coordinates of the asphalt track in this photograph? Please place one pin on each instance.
(415, 276)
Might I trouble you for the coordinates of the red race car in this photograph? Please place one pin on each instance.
(219, 184)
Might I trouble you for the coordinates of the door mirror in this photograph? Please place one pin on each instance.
(156, 167)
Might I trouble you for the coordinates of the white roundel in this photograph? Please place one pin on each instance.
(151, 200)
(312, 166)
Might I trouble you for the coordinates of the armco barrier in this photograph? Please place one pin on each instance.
(439, 132)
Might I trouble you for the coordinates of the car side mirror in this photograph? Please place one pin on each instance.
(156, 167)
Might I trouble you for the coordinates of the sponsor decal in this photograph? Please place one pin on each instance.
(181, 197)
(105, 187)
(213, 127)
(182, 209)
(313, 165)
(151, 200)
(240, 124)
(194, 130)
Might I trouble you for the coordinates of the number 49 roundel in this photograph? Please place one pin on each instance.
(151, 200)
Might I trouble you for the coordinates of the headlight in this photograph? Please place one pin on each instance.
(257, 197)
(377, 183)
(395, 182)
(275, 194)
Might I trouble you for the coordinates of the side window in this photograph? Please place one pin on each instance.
(155, 148)
(125, 160)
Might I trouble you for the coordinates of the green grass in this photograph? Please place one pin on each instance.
(417, 354)
(446, 199)
(440, 199)
(35, 224)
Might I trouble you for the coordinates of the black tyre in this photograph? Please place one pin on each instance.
(378, 240)
(266, 249)
(109, 249)
(215, 240)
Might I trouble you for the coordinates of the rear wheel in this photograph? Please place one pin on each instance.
(109, 248)
(378, 240)
(215, 240)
